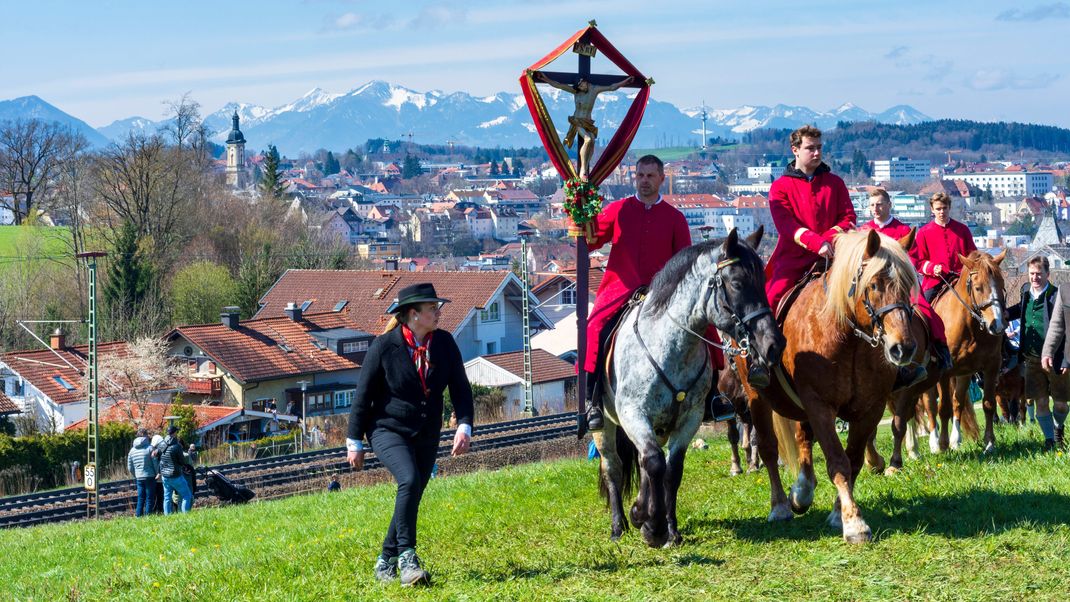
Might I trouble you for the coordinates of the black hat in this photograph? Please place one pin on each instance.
(171, 430)
(423, 292)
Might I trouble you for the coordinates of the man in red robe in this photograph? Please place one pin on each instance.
(810, 206)
(938, 245)
(646, 232)
(880, 207)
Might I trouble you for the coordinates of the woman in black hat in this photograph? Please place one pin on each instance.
(398, 406)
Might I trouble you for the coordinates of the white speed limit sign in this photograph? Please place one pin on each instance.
(91, 477)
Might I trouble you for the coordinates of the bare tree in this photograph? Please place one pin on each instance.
(186, 128)
(135, 378)
(31, 153)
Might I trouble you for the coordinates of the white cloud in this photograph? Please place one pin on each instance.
(1005, 79)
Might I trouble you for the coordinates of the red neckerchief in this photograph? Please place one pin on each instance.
(419, 353)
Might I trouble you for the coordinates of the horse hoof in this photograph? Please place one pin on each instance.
(735, 471)
(934, 442)
(891, 471)
(835, 520)
(780, 513)
(675, 539)
(990, 448)
(654, 540)
(913, 455)
(859, 532)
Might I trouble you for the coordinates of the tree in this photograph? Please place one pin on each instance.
(271, 184)
(135, 377)
(1025, 226)
(186, 421)
(32, 153)
(859, 164)
(518, 168)
(200, 290)
(494, 168)
(330, 165)
(411, 167)
(130, 275)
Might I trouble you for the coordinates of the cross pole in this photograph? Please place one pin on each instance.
(585, 52)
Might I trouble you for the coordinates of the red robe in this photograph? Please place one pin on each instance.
(806, 214)
(941, 245)
(897, 229)
(643, 242)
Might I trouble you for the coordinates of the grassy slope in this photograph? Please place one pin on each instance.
(16, 241)
(958, 526)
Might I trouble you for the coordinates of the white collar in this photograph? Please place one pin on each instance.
(884, 224)
(645, 205)
(1037, 294)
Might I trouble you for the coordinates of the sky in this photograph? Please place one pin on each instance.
(107, 59)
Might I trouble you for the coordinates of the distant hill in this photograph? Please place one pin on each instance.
(33, 107)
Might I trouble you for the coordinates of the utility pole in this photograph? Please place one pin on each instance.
(705, 116)
(529, 403)
(93, 422)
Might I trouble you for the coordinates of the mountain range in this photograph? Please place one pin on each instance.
(379, 109)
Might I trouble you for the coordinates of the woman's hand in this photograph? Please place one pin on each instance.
(355, 459)
(461, 443)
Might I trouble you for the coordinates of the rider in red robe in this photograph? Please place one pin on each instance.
(938, 245)
(810, 206)
(880, 207)
(646, 232)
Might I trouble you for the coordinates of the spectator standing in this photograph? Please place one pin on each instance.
(172, 460)
(144, 467)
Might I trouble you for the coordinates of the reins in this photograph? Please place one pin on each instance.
(973, 308)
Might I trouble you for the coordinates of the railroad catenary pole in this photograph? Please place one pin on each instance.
(93, 424)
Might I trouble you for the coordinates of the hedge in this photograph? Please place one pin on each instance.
(47, 457)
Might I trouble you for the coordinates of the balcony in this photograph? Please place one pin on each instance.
(200, 385)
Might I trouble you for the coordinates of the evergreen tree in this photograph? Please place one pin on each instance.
(518, 167)
(410, 168)
(271, 185)
(130, 275)
(494, 168)
(330, 165)
(859, 164)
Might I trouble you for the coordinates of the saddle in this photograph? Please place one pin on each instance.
(608, 339)
(793, 293)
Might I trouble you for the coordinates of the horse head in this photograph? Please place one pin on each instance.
(981, 287)
(869, 290)
(737, 304)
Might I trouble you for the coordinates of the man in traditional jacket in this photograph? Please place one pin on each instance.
(880, 207)
(646, 232)
(810, 206)
(938, 246)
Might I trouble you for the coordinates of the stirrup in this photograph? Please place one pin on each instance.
(594, 418)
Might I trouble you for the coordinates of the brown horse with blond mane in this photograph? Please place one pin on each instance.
(847, 334)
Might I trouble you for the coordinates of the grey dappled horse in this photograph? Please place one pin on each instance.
(661, 373)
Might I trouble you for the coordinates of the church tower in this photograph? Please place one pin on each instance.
(236, 174)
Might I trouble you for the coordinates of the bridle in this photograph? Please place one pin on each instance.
(975, 310)
(876, 315)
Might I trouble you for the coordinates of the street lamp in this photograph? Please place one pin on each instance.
(304, 412)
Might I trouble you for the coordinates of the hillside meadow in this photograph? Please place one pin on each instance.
(960, 526)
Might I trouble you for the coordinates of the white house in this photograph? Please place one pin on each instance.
(553, 380)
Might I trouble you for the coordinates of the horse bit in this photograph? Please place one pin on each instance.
(876, 315)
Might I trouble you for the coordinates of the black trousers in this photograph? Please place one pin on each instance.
(410, 461)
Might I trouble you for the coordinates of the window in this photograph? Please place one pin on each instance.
(63, 383)
(341, 305)
(491, 314)
(568, 295)
(305, 305)
(319, 402)
(354, 346)
(343, 399)
(492, 347)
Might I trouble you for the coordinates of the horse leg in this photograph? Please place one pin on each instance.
(960, 403)
(911, 440)
(733, 440)
(855, 530)
(990, 375)
(874, 460)
(754, 463)
(655, 527)
(860, 434)
(674, 473)
(802, 491)
(946, 409)
(762, 416)
(902, 410)
(613, 479)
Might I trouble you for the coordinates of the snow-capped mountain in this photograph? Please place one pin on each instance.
(117, 130)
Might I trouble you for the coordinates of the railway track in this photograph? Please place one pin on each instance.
(63, 505)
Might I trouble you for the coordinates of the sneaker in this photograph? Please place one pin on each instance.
(719, 409)
(1049, 445)
(386, 569)
(909, 376)
(594, 418)
(411, 573)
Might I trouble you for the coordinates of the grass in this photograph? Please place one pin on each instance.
(22, 241)
(955, 526)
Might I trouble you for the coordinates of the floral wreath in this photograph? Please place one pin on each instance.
(582, 201)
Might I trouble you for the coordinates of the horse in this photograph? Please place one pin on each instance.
(740, 427)
(972, 311)
(661, 373)
(848, 333)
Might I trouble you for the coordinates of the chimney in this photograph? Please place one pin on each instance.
(293, 311)
(230, 316)
(58, 340)
(392, 264)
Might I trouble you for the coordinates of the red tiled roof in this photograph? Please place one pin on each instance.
(41, 367)
(545, 367)
(369, 294)
(694, 200)
(253, 351)
(519, 194)
(6, 405)
(154, 413)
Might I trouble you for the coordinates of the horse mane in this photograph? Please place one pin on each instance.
(669, 277)
(850, 249)
(986, 265)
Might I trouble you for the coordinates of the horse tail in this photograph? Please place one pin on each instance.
(968, 420)
(628, 456)
(785, 441)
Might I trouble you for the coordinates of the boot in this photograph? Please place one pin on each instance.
(718, 408)
(943, 356)
(1049, 445)
(757, 375)
(411, 573)
(386, 569)
(594, 415)
(909, 376)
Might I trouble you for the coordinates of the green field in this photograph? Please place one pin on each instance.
(33, 241)
(960, 526)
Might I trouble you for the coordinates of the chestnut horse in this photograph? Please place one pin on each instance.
(847, 335)
(972, 311)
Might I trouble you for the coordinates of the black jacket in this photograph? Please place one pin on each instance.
(172, 457)
(389, 393)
